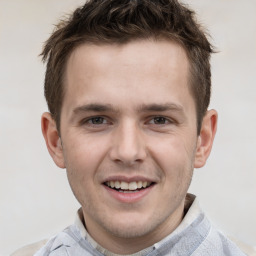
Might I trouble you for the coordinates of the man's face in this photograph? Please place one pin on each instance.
(128, 132)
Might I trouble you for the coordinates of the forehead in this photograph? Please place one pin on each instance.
(138, 71)
(150, 53)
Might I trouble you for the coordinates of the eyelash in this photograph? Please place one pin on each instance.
(89, 121)
(162, 118)
(103, 121)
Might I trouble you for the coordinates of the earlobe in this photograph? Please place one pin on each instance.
(205, 138)
(52, 139)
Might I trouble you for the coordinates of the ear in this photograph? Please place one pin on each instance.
(52, 139)
(205, 138)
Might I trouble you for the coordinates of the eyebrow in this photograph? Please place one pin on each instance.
(161, 107)
(94, 107)
(155, 107)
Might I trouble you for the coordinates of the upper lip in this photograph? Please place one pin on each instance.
(127, 178)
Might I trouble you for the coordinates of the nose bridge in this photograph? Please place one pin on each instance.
(128, 143)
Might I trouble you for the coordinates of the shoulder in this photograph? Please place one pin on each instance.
(30, 250)
(216, 243)
(45, 247)
(247, 249)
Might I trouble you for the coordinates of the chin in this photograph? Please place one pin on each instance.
(129, 227)
(130, 232)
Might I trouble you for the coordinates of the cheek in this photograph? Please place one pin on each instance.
(175, 158)
(80, 167)
(171, 151)
(83, 157)
(84, 152)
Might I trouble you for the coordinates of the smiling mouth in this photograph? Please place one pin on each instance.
(128, 187)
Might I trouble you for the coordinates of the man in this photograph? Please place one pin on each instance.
(128, 87)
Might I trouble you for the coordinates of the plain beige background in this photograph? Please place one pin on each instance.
(35, 198)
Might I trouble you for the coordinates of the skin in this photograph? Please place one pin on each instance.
(128, 115)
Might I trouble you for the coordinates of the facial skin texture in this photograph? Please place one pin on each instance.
(111, 130)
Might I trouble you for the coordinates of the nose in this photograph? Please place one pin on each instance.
(128, 145)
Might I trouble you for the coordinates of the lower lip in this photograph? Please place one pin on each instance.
(130, 197)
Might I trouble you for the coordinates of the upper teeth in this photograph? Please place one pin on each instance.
(128, 185)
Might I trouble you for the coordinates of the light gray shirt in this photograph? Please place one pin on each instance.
(195, 236)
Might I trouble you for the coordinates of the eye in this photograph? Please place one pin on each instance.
(159, 120)
(96, 123)
(97, 120)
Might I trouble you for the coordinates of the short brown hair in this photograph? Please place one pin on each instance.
(120, 21)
